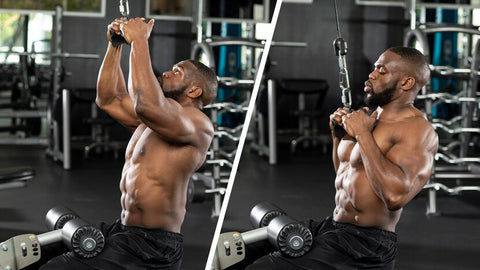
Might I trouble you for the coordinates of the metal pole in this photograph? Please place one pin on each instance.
(199, 20)
(266, 10)
(272, 122)
(56, 73)
(432, 202)
(413, 14)
(217, 198)
(67, 150)
(255, 235)
(50, 237)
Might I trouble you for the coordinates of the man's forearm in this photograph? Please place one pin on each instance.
(142, 81)
(335, 159)
(385, 177)
(110, 82)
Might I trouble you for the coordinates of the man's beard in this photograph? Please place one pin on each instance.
(381, 99)
(174, 94)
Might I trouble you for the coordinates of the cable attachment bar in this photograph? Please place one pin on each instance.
(341, 50)
(124, 8)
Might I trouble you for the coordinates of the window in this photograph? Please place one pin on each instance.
(398, 3)
(13, 38)
(170, 9)
(87, 8)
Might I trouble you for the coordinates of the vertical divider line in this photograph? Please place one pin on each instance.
(243, 135)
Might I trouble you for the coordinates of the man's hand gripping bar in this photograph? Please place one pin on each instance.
(117, 39)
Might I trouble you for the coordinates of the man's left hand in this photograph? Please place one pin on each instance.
(136, 29)
(359, 122)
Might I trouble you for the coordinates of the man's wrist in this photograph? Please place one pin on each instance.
(139, 41)
(363, 135)
(116, 47)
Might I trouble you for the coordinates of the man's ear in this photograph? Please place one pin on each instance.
(194, 92)
(408, 83)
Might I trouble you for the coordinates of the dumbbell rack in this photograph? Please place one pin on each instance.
(218, 156)
(454, 159)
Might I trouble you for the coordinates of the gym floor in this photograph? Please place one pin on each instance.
(90, 189)
(302, 185)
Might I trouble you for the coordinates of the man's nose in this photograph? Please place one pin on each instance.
(165, 74)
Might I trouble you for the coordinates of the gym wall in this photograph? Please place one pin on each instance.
(88, 35)
(368, 31)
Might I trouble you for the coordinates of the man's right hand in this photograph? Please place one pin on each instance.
(137, 29)
(114, 28)
(336, 123)
(337, 117)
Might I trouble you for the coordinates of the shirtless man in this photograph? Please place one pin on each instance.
(171, 136)
(382, 162)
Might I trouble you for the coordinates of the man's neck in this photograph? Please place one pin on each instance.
(395, 111)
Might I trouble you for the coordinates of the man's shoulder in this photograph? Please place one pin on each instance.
(202, 122)
(414, 118)
(420, 122)
(416, 130)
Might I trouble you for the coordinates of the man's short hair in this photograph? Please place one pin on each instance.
(417, 61)
(208, 80)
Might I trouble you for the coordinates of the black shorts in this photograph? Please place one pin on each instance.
(128, 247)
(338, 245)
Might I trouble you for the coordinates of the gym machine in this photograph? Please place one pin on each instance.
(84, 240)
(57, 137)
(291, 238)
(456, 158)
(15, 177)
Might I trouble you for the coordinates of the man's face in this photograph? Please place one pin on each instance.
(173, 82)
(383, 80)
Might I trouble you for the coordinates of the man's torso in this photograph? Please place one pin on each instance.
(356, 202)
(155, 179)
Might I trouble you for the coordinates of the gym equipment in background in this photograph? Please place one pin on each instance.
(84, 240)
(453, 108)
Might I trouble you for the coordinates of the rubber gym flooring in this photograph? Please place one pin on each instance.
(302, 184)
(90, 189)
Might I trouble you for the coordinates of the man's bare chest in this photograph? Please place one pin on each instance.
(384, 135)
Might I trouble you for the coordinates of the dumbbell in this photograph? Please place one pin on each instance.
(83, 239)
(287, 235)
(198, 191)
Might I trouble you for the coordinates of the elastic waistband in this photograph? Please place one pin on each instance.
(368, 230)
(177, 236)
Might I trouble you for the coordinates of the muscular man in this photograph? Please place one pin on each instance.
(382, 162)
(171, 136)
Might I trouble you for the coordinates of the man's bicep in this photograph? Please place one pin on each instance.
(182, 125)
(122, 111)
(414, 158)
